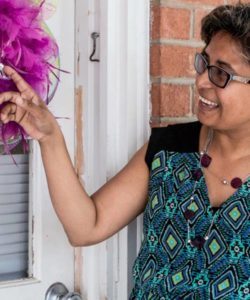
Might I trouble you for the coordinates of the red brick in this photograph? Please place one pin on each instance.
(155, 100)
(174, 100)
(155, 60)
(199, 14)
(172, 61)
(164, 25)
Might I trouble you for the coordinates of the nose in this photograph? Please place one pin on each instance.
(202, 80)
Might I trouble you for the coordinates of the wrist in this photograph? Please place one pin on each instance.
(51, 140)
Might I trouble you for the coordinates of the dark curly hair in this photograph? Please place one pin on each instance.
(233, 19)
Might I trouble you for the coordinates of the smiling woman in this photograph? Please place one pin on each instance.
(196, 224)
(226, 83)
(191, 180)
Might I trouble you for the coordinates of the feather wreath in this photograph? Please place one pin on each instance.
(27, 46)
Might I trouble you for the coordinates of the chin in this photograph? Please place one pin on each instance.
(209, 121)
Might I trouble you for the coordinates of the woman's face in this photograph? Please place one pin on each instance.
(224, 108)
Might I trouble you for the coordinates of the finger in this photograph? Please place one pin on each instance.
(28, 106)
(10, 108)
(35, 99)
(7, 118)
(8, 113)
(20, 83)
(8, 96)
(25, 104)
(12, 96)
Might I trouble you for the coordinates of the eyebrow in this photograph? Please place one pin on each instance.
(221, 62)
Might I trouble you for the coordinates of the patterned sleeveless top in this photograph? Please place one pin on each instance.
(167, 266)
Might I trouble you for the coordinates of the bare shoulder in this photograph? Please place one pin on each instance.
(124, 197)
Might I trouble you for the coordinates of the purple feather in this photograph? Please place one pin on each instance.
(30, 50)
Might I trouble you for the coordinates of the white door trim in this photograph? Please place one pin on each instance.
(115, 118)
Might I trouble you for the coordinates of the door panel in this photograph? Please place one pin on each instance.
(115, 114)
(51, 258)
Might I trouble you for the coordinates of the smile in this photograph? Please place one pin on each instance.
(208, 102)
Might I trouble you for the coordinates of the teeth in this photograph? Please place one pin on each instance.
(210, 103)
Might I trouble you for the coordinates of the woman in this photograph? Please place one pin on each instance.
(196, 216)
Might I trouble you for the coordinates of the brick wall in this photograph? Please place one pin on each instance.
(175, 37)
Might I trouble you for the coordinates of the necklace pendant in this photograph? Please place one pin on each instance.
(189, 214)
(197, 174)
(198, 242)
(236, 183)
(225, 182)
(205, 160)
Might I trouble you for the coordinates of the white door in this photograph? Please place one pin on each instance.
(115, 93)
(51, 258)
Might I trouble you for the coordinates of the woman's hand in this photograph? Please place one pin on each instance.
(27, 109)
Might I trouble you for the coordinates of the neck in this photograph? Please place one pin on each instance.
(230, 144)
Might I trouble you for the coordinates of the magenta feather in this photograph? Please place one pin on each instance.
(31, 51)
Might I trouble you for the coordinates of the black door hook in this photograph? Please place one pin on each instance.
(94, 36)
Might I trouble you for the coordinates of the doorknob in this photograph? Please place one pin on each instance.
(58, 291)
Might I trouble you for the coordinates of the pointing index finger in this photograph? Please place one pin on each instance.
(20, 83)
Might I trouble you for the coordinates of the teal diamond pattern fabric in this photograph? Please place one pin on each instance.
(171, 240)
(197, 206)
(236, 213)
(224, 285)
(156, 203)
(181, 277)
(215, 246)
(169, 268)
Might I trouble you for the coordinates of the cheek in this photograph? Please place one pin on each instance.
(235, 102)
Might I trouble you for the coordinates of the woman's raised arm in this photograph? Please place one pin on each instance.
(86, 220)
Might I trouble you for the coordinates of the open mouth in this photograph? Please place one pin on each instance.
(208, 103)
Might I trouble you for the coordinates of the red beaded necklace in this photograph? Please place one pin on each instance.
(205, 160)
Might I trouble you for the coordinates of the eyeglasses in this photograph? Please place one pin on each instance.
(216, 75)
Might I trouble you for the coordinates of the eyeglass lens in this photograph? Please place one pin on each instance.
(217, 75)
(200, 64)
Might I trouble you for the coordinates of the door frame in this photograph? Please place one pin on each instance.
(114, 94)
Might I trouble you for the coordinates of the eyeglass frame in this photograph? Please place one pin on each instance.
(231, 77)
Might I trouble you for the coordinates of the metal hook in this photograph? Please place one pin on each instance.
(94, 36)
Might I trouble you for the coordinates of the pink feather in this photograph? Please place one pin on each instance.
(30, 50)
